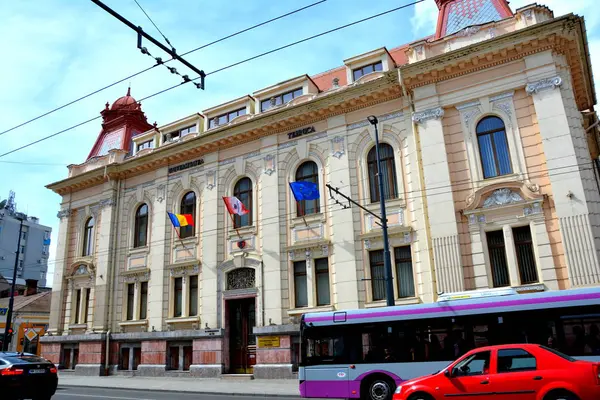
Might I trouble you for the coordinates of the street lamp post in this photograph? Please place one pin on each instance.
(387, 262)
(21, 217)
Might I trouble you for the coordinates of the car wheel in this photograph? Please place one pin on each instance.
(420, 396)
(561, 395)
(380, 389)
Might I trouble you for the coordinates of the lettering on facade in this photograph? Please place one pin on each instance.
(268, 341)
(187, 165)
(301, 132)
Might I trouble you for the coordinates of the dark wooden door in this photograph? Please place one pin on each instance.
(242, 342)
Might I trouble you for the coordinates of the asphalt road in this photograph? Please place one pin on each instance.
(73, 393)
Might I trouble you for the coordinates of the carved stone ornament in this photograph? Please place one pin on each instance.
(211, 180)
(269, 163)
(502, 197)
(423, 116)
(183, 271)
(107, 202)
(241, 278)
(549, 83)
(160, 193)
(337, 147)
(64, 213)
(469, 31)
(140, 276)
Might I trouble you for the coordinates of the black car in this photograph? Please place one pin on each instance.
(26, 376)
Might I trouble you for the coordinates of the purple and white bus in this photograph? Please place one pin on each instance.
(366, 353)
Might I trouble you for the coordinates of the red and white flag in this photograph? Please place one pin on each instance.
(235, 206)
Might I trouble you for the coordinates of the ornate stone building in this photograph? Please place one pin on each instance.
(489, 175)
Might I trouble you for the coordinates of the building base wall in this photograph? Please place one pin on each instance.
(273, 371)
(151, 370)
(88, 370)
(206, 371)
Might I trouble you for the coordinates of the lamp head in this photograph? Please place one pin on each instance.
(372, 119)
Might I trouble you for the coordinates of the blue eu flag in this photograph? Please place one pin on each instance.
(305, 190)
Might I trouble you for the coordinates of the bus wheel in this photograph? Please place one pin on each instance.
(380, 388)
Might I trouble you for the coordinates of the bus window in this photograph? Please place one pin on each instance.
(582, 336)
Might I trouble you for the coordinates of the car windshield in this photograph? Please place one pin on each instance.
(558, 353)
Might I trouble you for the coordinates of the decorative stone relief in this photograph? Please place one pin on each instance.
(502, 197)
(253, 154)
(481, 218)
(367, 244)
(211, 179)
(269, 164)
(491, 33)
(325, 251)
(423, 116)
(160, 193)
(337, 147)
(187, 270)
(107, 202)
(533, 209)
(548, 83)
(64, 213)
(291, 255)
(469, 31)
(241, 278)
(137, 277)
(358, 124)
(385, 117)
(505, 107)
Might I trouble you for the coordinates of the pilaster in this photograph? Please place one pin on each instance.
(157, 258)
(210, 250)
(59, 285)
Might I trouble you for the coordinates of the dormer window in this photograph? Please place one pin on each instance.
(225, 118)
(367, 69)
(280, 99)
(181, 133)
(145, 145)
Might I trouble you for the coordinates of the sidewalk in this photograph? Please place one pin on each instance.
(280, 388)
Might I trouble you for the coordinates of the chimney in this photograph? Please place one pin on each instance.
(31, 287)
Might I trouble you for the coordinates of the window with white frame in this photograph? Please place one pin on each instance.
(180, 133)
(493, 147)
(148, 144)
(320, 280)
(136, 305)
(280, 99)
(81, 306)
(308, 172)
(525, 256)
(243, 191)
(88, 237)
(402, 273)
(388, 173)
(357, 73)
(226, 118)
(184, 296)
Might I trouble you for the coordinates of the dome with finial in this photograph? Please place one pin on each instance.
(125, 102)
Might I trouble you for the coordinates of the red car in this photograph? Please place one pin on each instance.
(518, 371)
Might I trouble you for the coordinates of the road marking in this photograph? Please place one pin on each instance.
(100, 396)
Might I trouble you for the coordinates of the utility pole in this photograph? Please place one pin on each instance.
(387, 261)
(7, 328)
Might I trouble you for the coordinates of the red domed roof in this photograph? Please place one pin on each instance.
(126, 102)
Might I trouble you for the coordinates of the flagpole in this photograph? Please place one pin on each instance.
(233, 222)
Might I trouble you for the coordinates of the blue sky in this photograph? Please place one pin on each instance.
(55, 51)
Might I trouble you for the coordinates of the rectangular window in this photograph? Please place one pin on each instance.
(404, 271)
(178, 296)
(77, 305)
(525, 255)
(187, 131)
(145, 145)
(283, 98)
(226, 118)
(300, 287)
(193, 302)
(367, 69)
(377, 274)
(497, 252)
(86, 305)
(143, 300)
(22, 249)
(322, 272)
(24, 235)
(130, 300)
(515, 360)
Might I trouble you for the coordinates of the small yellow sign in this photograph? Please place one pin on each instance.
(268, 341)
(30, 334)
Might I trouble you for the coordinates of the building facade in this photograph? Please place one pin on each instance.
(34, 247)
(489, 180)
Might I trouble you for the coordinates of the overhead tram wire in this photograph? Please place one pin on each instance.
(155, 65)
(332, 206)
(224, 68)
(151, 21)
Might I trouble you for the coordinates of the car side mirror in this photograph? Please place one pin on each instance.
(447, 373)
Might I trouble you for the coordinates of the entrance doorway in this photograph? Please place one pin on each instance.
(242, 342)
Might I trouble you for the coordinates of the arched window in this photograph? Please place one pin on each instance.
(188, 206)
(308, 172)
(388, 172)
(493, 147)
(140, 238)
(243, 191)
(88, 237)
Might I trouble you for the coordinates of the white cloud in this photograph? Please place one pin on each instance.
(425, 19)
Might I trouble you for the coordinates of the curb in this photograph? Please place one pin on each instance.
(237, 394)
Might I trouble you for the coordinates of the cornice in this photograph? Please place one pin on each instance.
(559, 35)
(284, 119)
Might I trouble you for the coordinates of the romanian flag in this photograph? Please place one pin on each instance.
(180, 220)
